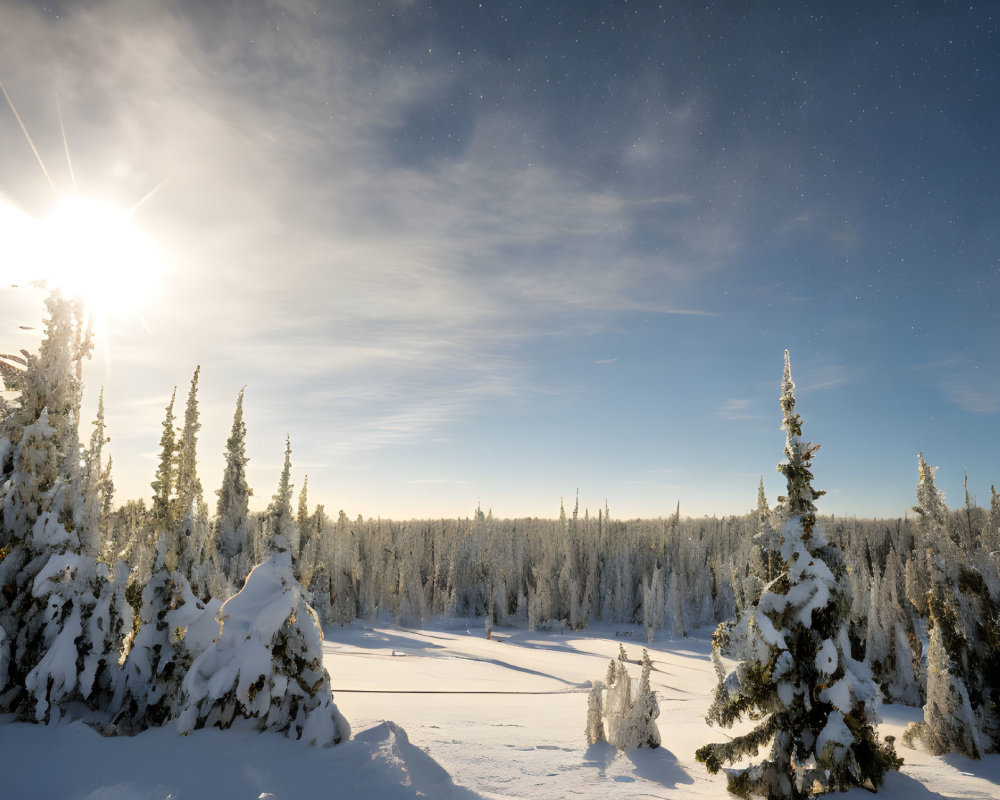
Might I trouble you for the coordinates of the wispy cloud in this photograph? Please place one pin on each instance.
(828, 376)
(387, 295)
(736, 409)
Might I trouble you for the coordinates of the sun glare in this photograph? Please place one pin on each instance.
(95, 250)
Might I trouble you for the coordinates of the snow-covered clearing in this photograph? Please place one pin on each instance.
(499, 718)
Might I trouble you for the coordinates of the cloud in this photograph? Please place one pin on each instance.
(736, 409)
(307, 256)
(828, 376)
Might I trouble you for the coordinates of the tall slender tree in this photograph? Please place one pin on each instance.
(814, 705)
(234, 495)
(281, 530)
(165, 484)
(189, 491)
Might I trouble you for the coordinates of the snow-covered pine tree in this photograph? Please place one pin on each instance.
(595, 714)
(233, 508)
(95, 488)
(643, 730)
(959, 605)
(625, 721)
(51, 648)
(618, 700)
(161, 650)
(281, 530)
(191, 514)
(949, 724)
(654, 607)
(304, 522)
(889, 631)
(815, 705)
(266, 667)
(165, 483)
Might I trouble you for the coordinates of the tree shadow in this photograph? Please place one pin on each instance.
(896, 784)
(600, 755)
(660, 766)
(987, 769)
(380, 639)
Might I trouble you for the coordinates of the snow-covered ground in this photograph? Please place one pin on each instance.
(445, 713)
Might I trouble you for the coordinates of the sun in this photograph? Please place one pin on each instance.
(94, 249)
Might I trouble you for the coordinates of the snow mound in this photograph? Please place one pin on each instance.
(379, 763)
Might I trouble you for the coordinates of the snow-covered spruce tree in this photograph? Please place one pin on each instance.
(750, 578)
(304, 522)
(233, 508)
(165, 483)
(950, 724)
(626, 721)
(281, 531)
(889, 631)
(814, 704)
(595, 714)
(618, 700)
(162, 649)
(191, 515)
(55, 598)
(266, 666)
(654, 604)
(641, 730)
(95, 488)
(966, 642)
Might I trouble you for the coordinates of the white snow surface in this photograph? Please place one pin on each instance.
(471, 717)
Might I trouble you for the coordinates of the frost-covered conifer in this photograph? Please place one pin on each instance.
(281, 531)
(234, 497)
(266, 667)
(654, 609)
(165, 484)
(162, 650)
(675, 604)
(54, 645)
(95, 488)
(189, 492)
(888, 634)
(625, 721)
(643, 731)
(618, 701)
(191, 513)
(303, 520)
(949, 724)
(595, 714)
(959, 606)
(814, 705)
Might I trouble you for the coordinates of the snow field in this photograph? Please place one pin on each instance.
(522, 745)
(525, 740)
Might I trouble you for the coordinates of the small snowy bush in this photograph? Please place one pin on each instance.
(626, 721)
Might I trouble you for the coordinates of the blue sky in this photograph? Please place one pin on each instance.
(480, 252)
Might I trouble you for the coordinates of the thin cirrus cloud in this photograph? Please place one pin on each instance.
(737, 408)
